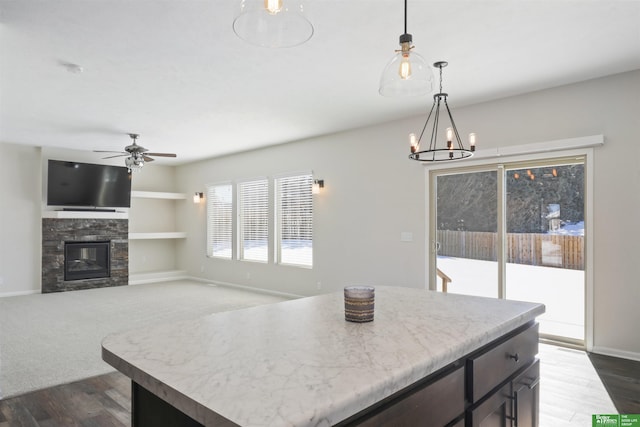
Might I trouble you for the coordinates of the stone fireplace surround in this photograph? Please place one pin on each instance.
(55, 231)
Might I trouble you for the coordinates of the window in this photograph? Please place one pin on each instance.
(294, 220)
(219, 221)
(253, 212)
(247, 236)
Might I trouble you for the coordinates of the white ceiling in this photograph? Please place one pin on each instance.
(174, 71)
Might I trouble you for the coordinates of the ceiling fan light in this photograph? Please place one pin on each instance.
(407, 74)
(136, 154)
(273, 23)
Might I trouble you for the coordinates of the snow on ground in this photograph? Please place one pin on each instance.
(560, 290)
(570, 229)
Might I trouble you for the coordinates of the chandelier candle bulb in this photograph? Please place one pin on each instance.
(472, 141)
(413, 142)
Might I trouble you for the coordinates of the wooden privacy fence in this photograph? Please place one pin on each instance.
(548, 250)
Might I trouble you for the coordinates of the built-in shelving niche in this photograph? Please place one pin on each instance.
(153, 236)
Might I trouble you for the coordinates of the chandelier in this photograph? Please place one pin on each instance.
(272, 23)
(453, 150)
(407, 74)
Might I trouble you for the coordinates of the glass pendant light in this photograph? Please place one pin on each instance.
(407, 74)
(272, 23)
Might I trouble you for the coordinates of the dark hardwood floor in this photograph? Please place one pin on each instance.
(621, 378)
(104, 401)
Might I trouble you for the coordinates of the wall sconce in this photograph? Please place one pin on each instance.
(317, 185)
(197, 197)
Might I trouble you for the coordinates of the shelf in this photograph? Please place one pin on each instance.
(158, 195)
(166, 235)
(85, 214)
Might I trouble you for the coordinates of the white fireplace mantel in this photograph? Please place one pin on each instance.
(85, 214)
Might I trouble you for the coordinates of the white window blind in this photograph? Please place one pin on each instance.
(219, 220)
(294, 220)
(253, 211)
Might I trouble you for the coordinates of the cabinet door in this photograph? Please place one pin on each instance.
(526, 393)
(495, 411)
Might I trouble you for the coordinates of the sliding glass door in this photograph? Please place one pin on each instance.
(545, 243)
(466, 231)
(515, 231)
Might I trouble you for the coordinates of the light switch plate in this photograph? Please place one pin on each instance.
(406, 236)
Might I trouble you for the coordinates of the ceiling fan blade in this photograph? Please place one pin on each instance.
(117, 155)
(161, 154)
(135, 152)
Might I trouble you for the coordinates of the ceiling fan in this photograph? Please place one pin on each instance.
(136, 154)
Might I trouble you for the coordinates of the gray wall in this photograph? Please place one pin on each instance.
(373, 193)
(20, 229)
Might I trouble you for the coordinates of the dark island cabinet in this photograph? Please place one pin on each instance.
(496, 386)
(494, 411)
(502, 383)
(435, 402)
(513, 405)
(526, 397)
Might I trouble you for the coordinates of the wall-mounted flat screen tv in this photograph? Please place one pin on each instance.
(87, 185)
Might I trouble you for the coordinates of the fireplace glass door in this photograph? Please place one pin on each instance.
(86, 260)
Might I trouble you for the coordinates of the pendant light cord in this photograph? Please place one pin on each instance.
(405, 16)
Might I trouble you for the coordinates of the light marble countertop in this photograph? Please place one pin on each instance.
(299, 363)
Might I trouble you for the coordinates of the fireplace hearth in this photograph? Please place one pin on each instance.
(86, 260)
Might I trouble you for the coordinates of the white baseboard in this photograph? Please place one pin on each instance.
(616, 353)
(18, 293)
(246, 288)
(157, 276)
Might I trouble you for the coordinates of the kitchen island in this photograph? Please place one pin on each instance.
(299, 363)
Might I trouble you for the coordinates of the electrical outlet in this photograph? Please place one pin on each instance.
(248, 276)
(319, 285)
(202, 269)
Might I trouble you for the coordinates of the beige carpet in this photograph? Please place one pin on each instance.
(51, 339)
